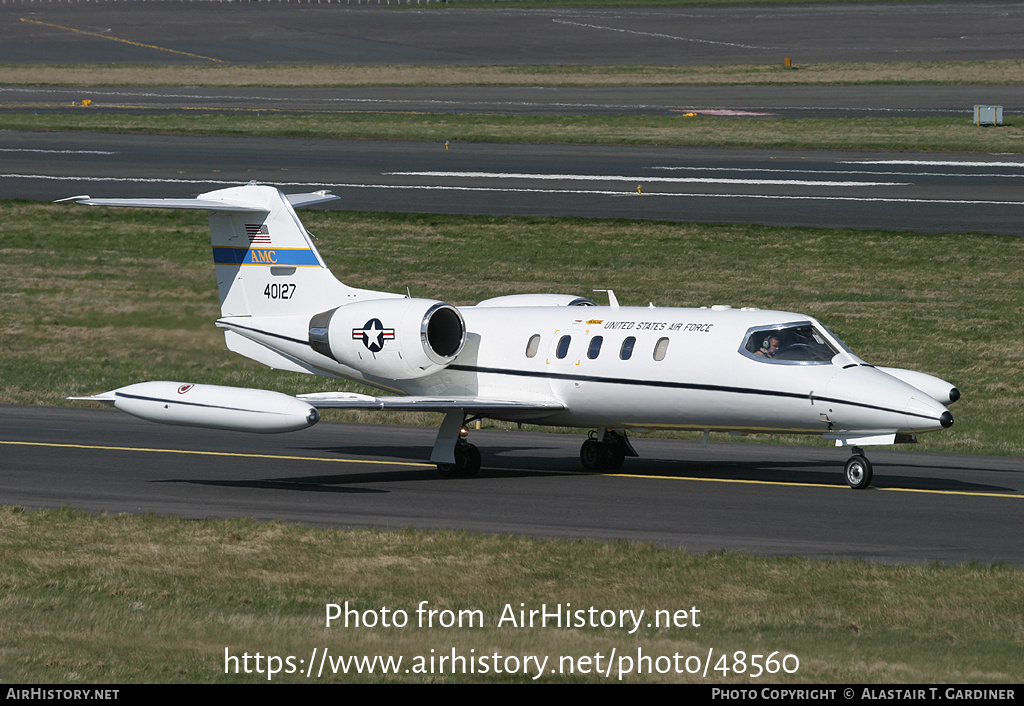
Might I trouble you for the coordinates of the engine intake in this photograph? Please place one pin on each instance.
(395, 338)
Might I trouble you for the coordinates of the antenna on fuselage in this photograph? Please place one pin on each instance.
(612, 301)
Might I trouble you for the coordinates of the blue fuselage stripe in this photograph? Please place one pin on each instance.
(265, 256)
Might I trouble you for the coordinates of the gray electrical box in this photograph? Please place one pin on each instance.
(988, 115)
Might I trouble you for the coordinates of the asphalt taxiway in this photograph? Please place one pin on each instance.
(307, 33)
(766, 499)
(887, 191)
(933, 193)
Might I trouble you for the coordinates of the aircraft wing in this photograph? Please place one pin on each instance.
(469, 405)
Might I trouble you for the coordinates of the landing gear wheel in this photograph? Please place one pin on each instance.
(858, 472)
(594, 455)
(447, 470)
(467, 462)
(616, 457)
(470, 460)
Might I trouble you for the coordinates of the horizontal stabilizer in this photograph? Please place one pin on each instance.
(188, 204)
(317, 197)
(201, 204)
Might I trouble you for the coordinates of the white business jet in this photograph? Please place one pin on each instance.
(529, 358)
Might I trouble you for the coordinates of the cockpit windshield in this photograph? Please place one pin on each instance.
(794, 344)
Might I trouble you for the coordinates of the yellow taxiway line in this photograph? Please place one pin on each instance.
(118, 39)
(213, 453)
(416, 464)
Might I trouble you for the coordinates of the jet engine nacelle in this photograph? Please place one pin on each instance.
(399, 339)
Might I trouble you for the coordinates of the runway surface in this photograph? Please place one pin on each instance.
(765, 499)
(936, 193)
(256, 33)
(923, 193)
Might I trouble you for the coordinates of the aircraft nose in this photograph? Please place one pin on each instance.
(876, 400)
(921, 409)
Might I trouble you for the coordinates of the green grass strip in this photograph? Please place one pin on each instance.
(978, 72)
(142, 599)
(946, 134)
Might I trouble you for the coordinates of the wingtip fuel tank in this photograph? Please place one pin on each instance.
(212, 406)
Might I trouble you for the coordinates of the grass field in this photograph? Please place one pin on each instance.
(993, 72)
(142, 599)
(948, 134)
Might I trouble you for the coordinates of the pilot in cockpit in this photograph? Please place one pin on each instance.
(769, 347)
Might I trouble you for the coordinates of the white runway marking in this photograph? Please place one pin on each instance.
(938, 163)
(632, 194)
(627, 193)
(140, 180)
(961, 175)
(724, 112)
(26, 149)
(645, 179)
(657, 35)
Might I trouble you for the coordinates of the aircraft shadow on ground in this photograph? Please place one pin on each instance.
(514, 462)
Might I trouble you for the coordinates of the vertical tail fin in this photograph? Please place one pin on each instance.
(265, 260)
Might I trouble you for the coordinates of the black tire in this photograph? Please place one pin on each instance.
(471, 460)
(448, 470)
(467, 462)
(594, 455)
(858, 472)
(616, 457)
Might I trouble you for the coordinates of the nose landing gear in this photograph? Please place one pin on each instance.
(858, 470)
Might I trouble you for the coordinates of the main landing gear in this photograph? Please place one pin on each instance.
(467, 462)
(607, 453)
(455, 457)
(858, 470)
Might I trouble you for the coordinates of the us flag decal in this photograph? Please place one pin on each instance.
(257, 233)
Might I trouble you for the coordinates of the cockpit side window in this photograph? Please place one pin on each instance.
(789, 344)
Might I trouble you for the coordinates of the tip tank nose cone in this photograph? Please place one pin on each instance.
(946, 420)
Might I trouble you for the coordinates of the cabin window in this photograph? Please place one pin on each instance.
(788, 344)
(563, 347)
(660, 349)
(626, 351)
(594, 349)
(533, 345)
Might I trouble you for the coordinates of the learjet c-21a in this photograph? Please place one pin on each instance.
(529, 358)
